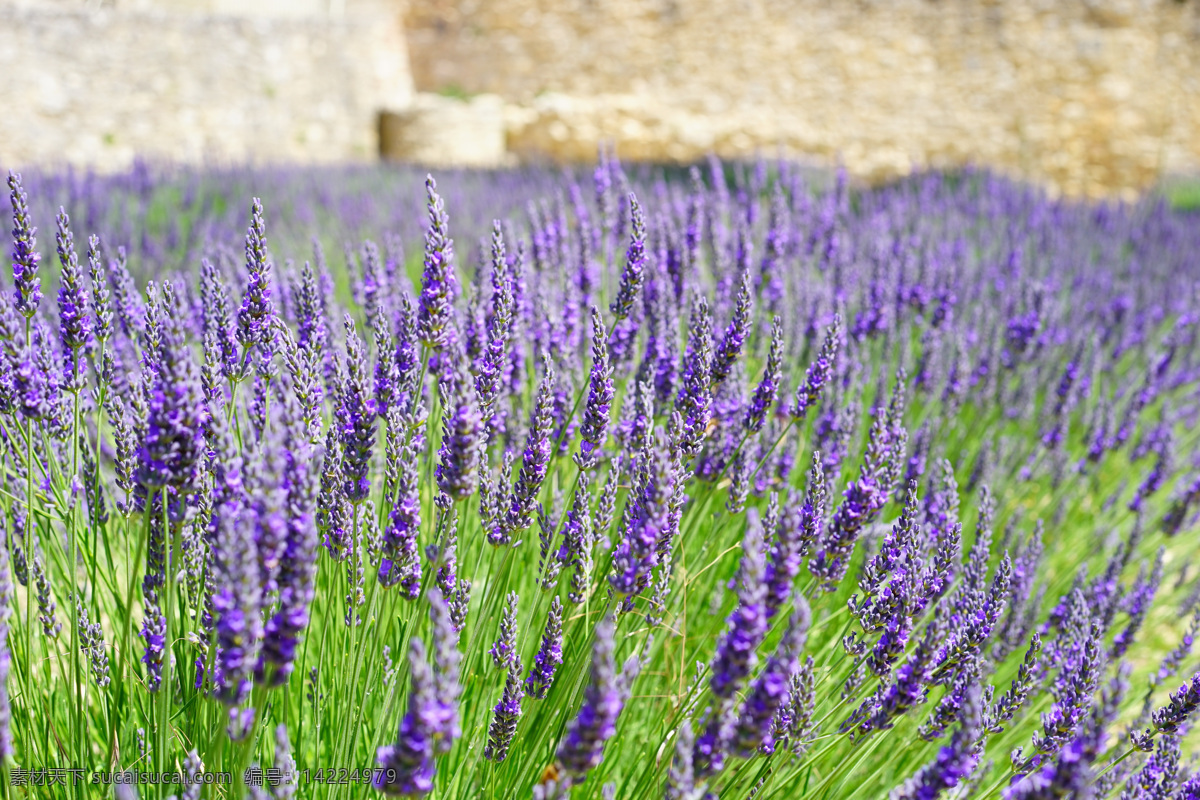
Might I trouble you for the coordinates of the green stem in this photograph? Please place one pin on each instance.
(79, 734)
(165, 691)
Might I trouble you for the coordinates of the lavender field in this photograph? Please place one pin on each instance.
(616, 483)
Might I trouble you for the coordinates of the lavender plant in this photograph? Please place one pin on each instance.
(292, 541)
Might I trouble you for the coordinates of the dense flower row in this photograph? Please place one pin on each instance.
(807, 493)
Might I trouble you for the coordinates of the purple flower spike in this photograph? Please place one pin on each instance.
(864, 497)
(694, 402)
(1177, 513)
(254, 317)
(297, 568)
(771, 689)
(647, 524)
(1136, 605)
(435, 311)
(901, 539)
(446, 660)
(535, 462)
(505, 715)
(401, 558)
(747, 625)
(549, 656)
(236, 600)
(25, 258)
(504, 648)
(582, 749)
(768, 388)
(406, 767)
(1068, 774)
(1159, 473)
(75, 326)
(909, 688)
(174, 442)
(51, 627)
(820, 371)
(1171, 717)
(634, 274)
(462, 429)
(681, 779)
(734, 339)
(955, 761)
(1158, 777)
(357, 420)
(600, 397)
(491, 364)
(788, 547)
(101, 297)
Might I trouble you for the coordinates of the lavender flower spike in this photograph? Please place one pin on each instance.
(254, 317)
(634, 274)
(298, 566)
(25, 258)
(174, 442)
(357, 419)
(681, 779)
(582, 749)
(505, 715)
(534, 464)
(51, 627)
(637, 555)
(447, 687)
(101, 298)
(734, 339)
(694, 402)
(768, 387)
(794, 535)
(74, 324)
(491, 363)
(549, 656)
(600, 397)
(771, 689)
(435, 314)
(462, 428)
(955, 761)
(504, 648)
(747, 625)
(863, 497)
(236, 600)
(1171, 717)
(407, 766)
(820, 371)
(401, 557)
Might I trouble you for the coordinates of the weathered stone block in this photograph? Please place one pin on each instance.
(446, 131)
(98, 88)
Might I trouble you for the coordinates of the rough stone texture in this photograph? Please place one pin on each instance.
(445, 131)
(1090, 96)
(100, 87)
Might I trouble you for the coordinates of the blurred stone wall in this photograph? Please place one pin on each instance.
(99, 83)
(1090, 96)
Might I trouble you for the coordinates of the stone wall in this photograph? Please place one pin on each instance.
(182, 81)
(1090, 96)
